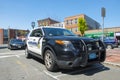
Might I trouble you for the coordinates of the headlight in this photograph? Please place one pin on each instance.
(14, 44)
(67, 44)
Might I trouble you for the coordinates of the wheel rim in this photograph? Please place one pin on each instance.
(48, 60)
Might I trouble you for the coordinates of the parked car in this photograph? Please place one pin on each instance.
(110, 42)
(60, 48)
(16, 44)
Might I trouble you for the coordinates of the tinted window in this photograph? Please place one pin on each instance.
(15, 40)
(37, 33)
(57, 32)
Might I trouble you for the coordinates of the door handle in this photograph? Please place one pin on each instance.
(33, 39)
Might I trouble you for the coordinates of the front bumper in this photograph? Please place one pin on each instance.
(82, 61)
(17, 46)
(85, 53)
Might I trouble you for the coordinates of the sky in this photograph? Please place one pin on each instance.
(18, 14)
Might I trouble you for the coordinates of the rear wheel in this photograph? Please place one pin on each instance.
(49, 60)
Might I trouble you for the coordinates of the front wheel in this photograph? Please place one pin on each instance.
(49, 60)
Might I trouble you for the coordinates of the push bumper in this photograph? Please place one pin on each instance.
(82, 61)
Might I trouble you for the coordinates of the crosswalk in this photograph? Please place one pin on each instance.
(11, 54)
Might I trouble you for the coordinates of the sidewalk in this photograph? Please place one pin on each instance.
(3, 46)
(113, 57)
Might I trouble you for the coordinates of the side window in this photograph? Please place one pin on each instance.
(36, 33)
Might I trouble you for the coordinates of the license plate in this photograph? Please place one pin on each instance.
(19, 46)
(92, 56)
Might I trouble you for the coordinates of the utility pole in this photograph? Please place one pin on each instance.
(103, 14)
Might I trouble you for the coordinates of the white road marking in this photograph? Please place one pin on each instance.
(11, 56)
(6, 56)
(5, 53)
(47, 73)
(17, 56)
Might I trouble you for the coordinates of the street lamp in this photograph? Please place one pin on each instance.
(103, 12)
(33, 24)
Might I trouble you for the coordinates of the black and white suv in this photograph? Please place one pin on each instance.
(60, 48)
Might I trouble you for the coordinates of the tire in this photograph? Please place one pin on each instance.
(27, 54)
(109, 47)
(49, 60)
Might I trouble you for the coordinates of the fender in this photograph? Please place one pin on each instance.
(50, 48)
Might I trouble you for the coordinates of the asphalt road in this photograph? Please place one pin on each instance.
(14, 66)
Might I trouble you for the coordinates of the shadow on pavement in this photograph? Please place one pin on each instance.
(38, 59)
(89, 70)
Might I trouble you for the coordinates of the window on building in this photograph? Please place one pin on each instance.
(6, 33)
(67, 22)
(71, 21)
(5, 36)
(76, 21)
(76, 29)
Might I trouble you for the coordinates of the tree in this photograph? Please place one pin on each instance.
(82, 25)
(21, 32)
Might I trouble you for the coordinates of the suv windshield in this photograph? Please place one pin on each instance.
(57, 32)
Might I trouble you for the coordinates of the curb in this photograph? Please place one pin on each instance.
(113, 64)
(3, 46)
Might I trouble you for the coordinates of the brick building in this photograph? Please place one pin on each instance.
(1, 36)
(7, 34)
(46, 22)
(71, 22)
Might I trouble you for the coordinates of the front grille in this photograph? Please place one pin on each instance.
(91, 45)
(79, 45)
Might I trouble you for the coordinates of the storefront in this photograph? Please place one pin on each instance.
(99, 34)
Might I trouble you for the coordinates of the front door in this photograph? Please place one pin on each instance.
(35, 41)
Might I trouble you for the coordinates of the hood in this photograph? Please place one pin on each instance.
(71, 38)
(19, 43)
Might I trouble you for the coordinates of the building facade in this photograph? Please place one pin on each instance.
(111, 32)
(1, 36)
(61, 24)
(71, 22)
(7, 34)
(46, 22)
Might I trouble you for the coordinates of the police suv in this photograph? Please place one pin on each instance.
(60, 48)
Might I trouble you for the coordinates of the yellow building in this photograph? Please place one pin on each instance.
(71, 22)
